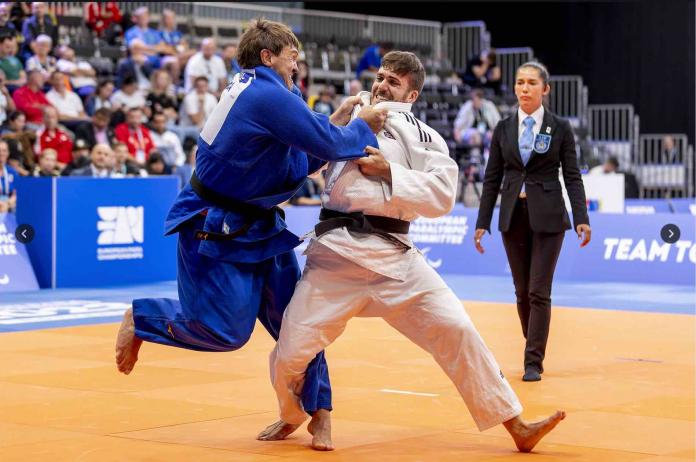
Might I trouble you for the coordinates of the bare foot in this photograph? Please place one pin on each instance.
(127, 344)
(320, 428)
(527, 435)
(278, 431)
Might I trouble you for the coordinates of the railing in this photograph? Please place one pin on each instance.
(464, 40)
(614, 131)
(568, 98)
(664, 166)
(509, 59)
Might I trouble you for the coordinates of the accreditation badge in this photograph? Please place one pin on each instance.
(542, 143)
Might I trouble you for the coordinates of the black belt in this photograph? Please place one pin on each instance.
(361, 223)
(251, 212)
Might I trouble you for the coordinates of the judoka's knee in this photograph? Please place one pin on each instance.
(290, 361)
(235, 341)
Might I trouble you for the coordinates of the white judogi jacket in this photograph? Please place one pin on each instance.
(424, 183)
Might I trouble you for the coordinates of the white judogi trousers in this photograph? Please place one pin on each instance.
(333, 289)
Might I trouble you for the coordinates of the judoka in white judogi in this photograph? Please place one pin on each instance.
(351, 274)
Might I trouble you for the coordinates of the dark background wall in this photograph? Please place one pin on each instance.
(635, 51)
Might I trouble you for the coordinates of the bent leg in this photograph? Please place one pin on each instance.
(217, 306)
(331, 291)
(284, 273)
(431, 315)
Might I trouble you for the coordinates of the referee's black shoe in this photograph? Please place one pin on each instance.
(531, 375)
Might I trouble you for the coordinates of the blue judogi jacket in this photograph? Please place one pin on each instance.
(257, 147)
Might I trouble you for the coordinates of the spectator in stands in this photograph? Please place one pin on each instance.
(135, 136)
(80, 158)
(31, 100)
(123, 164)
(185, 171)
(51, 136)
(71, 112)
(151, 39)
(18, 13)
(483, 71)
(372, 58)
(198, 104)
(162, 96)
(166, 141)
(81, 73)
(104, 19)
(354, 87)
(137, 67)
(129, 96)
(6, 102)
(48, 164)
(39, 23)
(8, 176)
(7, 29)
(10, 64)
(324, 105)
(99, 131)
(473, 127)
(101, 97)
(156, 165)
(229, 57)
(670, 152)
(301, 79)
(41, 59)
(21, 143)
(207, 64)
(610, 167)
(101, 160)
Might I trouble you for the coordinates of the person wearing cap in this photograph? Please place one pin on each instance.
(80, 158)
(526, 152)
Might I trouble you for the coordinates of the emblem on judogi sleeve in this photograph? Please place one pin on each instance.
(542, 143)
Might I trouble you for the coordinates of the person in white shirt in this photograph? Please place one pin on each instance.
(128, 97)
(67, 102)
(361, 262)
(198, 104)
(207, 64)
(82, 74)
(41, 60)
(166, 141)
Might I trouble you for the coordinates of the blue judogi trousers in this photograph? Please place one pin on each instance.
(219, 303)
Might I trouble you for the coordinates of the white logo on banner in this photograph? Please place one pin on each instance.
(5, 279)
(120, 226)
(448, 230)
(623, 249)
(25, 313)
(434, 263)
(7, 241)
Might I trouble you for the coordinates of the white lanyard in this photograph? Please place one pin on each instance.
(5, 182)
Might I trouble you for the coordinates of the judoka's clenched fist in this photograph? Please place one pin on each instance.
(342, 115)
(375, 118)
(374, 164)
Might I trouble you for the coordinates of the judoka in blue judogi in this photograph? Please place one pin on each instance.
(235, 254)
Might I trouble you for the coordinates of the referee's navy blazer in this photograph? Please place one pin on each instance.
(505, 173)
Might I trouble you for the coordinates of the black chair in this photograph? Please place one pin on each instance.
(228, 32)
(203, 31)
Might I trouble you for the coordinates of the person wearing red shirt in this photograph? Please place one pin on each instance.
(135, 135)
(30, 99)
(50, 136)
